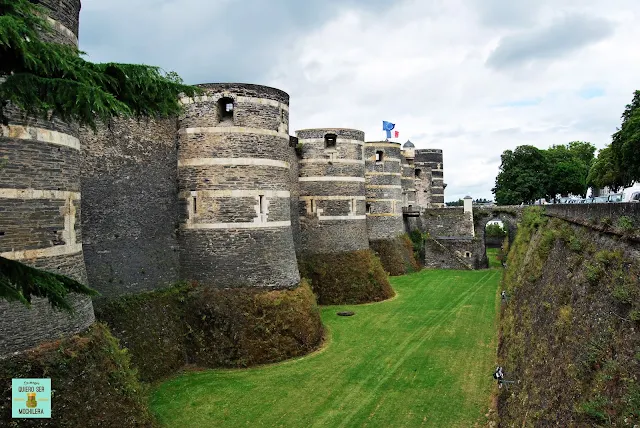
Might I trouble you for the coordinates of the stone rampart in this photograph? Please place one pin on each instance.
(130, 205)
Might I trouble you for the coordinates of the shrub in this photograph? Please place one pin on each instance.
(396, 255)
(625, 223)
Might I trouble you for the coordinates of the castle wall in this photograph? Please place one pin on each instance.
(384, 190)
(431, 159)
(130, 205)
(449, 222)
(408, 183)
(40, 222)
(64, 16)
(331, 205)
(234, 188)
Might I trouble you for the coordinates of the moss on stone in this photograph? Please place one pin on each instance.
(244, 327)
(92, 379)
(568, 333)
(346, 278)
(151, 325)
(397, 255)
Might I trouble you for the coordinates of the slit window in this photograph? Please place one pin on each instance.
(368, 208)
(313, 205)
(330, 141)
(262, 204)
(225, 109)
(418, 173)
(379, 155)
(354, 206)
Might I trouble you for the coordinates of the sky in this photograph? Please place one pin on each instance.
(470, 77)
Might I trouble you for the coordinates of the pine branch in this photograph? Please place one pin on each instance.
(19, 282)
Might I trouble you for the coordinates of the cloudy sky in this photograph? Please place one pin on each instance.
(471, 77)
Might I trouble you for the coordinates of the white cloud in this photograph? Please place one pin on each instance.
(423, 66)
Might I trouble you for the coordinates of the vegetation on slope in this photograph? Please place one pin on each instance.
(424, 358)
(92, 380)
(397, 255)
(346, 278)
(570, 333)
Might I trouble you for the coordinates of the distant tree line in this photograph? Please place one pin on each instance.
(528, 173)
(460, 202)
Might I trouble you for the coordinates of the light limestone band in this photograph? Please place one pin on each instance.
(395, 145)
(244, 225)
(232, 130)
(62, 29)
(384, 215)
(39, 134)
(383, 186)
(339, 217)
(383, 173)
(58, 250)
(254, 100)
(321, 140)
(233, 162)
(38, 194)
(327, 161)
(332, 198)
(333, 178)
(237, 193)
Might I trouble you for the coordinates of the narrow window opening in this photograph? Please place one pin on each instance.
(467, 254)
(354, 206)
(262, 207)
(194, 200)
(1, 233)
(313, 206)
(225, 109)
(418, 173)
(330, 141)
(368, 208)
(379, 155)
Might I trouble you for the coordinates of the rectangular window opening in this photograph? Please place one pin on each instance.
(368, 208)
(262, 204)
(379, 155)
(195, 204)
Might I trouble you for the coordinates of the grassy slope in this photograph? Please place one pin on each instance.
(492, 254)
(424, 358)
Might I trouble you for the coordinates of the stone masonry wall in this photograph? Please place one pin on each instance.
(64, 18)
(234, 176)
(384, 190)
(432, 160)
(449, 222)
(130, 206)
(40, 223)
(331, 205)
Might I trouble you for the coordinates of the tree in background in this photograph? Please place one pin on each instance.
(495, 230)
(569, 168)
(46, 79)
(605, 171)
(626, 143)
(523, 176)
(458, 203)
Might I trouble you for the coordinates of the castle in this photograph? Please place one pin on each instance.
(222, 195)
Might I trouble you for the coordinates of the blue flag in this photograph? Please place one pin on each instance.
(388, 126)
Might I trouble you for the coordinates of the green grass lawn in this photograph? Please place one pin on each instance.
(424, 358)
(492, 255)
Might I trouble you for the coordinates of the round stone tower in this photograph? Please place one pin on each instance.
(384, 190)
(40, 204)
(332, 194)
(408, 175)
(233, 175)
(431, 161)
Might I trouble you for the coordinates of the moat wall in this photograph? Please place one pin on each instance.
(570, 331)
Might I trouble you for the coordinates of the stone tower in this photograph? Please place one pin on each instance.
(430, 161)
(384, 190)
(40, 204)
(332, 194)
(408, 176)
(234, 191)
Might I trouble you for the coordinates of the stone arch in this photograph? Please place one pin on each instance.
(509, 216)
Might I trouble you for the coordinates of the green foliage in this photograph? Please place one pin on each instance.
(605, 171)
(45, 79)
(625, 143)
(418, 239)
(522, 177)
(528, 173)
(299, 147)
(19, 282)
(625, 223)
(495, 230)
(346, 278)
(88, 371)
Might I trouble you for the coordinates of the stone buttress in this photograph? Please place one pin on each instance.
(40, 205)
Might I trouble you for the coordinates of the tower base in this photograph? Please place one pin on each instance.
(346, 278)
(396, 255)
